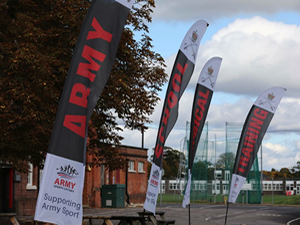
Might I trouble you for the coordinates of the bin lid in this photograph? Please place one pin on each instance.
(113, 186)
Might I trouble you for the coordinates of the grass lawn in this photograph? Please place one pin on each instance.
(282, 199)
(267, 199)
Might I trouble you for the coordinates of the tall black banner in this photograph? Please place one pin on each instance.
(89, 71)
(60, 195)
(254, 129)
(202, 98)
(181, 74)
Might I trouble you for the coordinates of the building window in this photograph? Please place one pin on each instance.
(202, 187)
(131, 166)
(141, 167)
(163, 187)
(173, 186)
(30, 185)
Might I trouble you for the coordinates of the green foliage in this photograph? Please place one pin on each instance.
(37, 39)
(226, 160)
(202, 170)
(171, 162)
(284, 173)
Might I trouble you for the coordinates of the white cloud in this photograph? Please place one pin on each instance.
(257, 54)
(171, 10)
(287, 116)
(276, 148)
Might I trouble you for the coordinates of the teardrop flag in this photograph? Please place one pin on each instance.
(202, 98)
(60, 195)
(181, 74)
(254, 129)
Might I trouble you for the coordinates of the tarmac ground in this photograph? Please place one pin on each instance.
(238, 214)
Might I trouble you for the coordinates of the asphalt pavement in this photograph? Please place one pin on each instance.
(238, 214)
(205, 214)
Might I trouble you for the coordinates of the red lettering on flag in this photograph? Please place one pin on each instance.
(99, 33)
(79, 95)
(76, 124)
(84, 68)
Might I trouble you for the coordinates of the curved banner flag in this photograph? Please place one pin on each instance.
(254, 129)
(203, 95)
(60, 196)
(181, 74)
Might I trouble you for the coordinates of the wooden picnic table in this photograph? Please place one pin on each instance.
(129, 220)
(149, 216)
(123, 220)
(106, 219)
(11, 216)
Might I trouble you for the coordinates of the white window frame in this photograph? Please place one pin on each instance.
(131, 166)
(141, 167)
(29, 185)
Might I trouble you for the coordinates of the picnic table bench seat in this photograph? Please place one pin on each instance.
(165, 222)
(11, 216)
(149, 216)
(129, 220)
(106, 219)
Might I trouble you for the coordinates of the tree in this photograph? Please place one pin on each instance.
(171, 162)
(226, 160)
(295, 170)
(285, 172)
(202, 170)
(37, 41)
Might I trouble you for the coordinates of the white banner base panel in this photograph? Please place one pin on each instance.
(237, 183)
(186, 199)
(60, 195)
(153, 189)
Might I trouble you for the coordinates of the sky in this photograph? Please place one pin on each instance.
(259, 42)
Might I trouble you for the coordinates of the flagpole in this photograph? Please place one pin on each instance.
(189, 214)
(226, 213)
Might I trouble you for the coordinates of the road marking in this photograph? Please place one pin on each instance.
(221, 215)
(268, 215)
(208, 218)
(263, 208)
(292, 221)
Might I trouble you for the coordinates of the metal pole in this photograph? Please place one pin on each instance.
(226, 212)
(126, 182)
(142, 136)
(160, 190)
(215, 169)
(261, 175)
(189, 214)
(272, 191)
(243, 193)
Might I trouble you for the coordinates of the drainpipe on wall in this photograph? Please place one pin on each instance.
(11, 188)
(126, 181)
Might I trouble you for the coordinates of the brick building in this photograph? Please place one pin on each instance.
(18, 191)
(136, 178)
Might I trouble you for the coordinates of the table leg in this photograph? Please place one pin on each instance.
(108, 222)
(14, 220)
